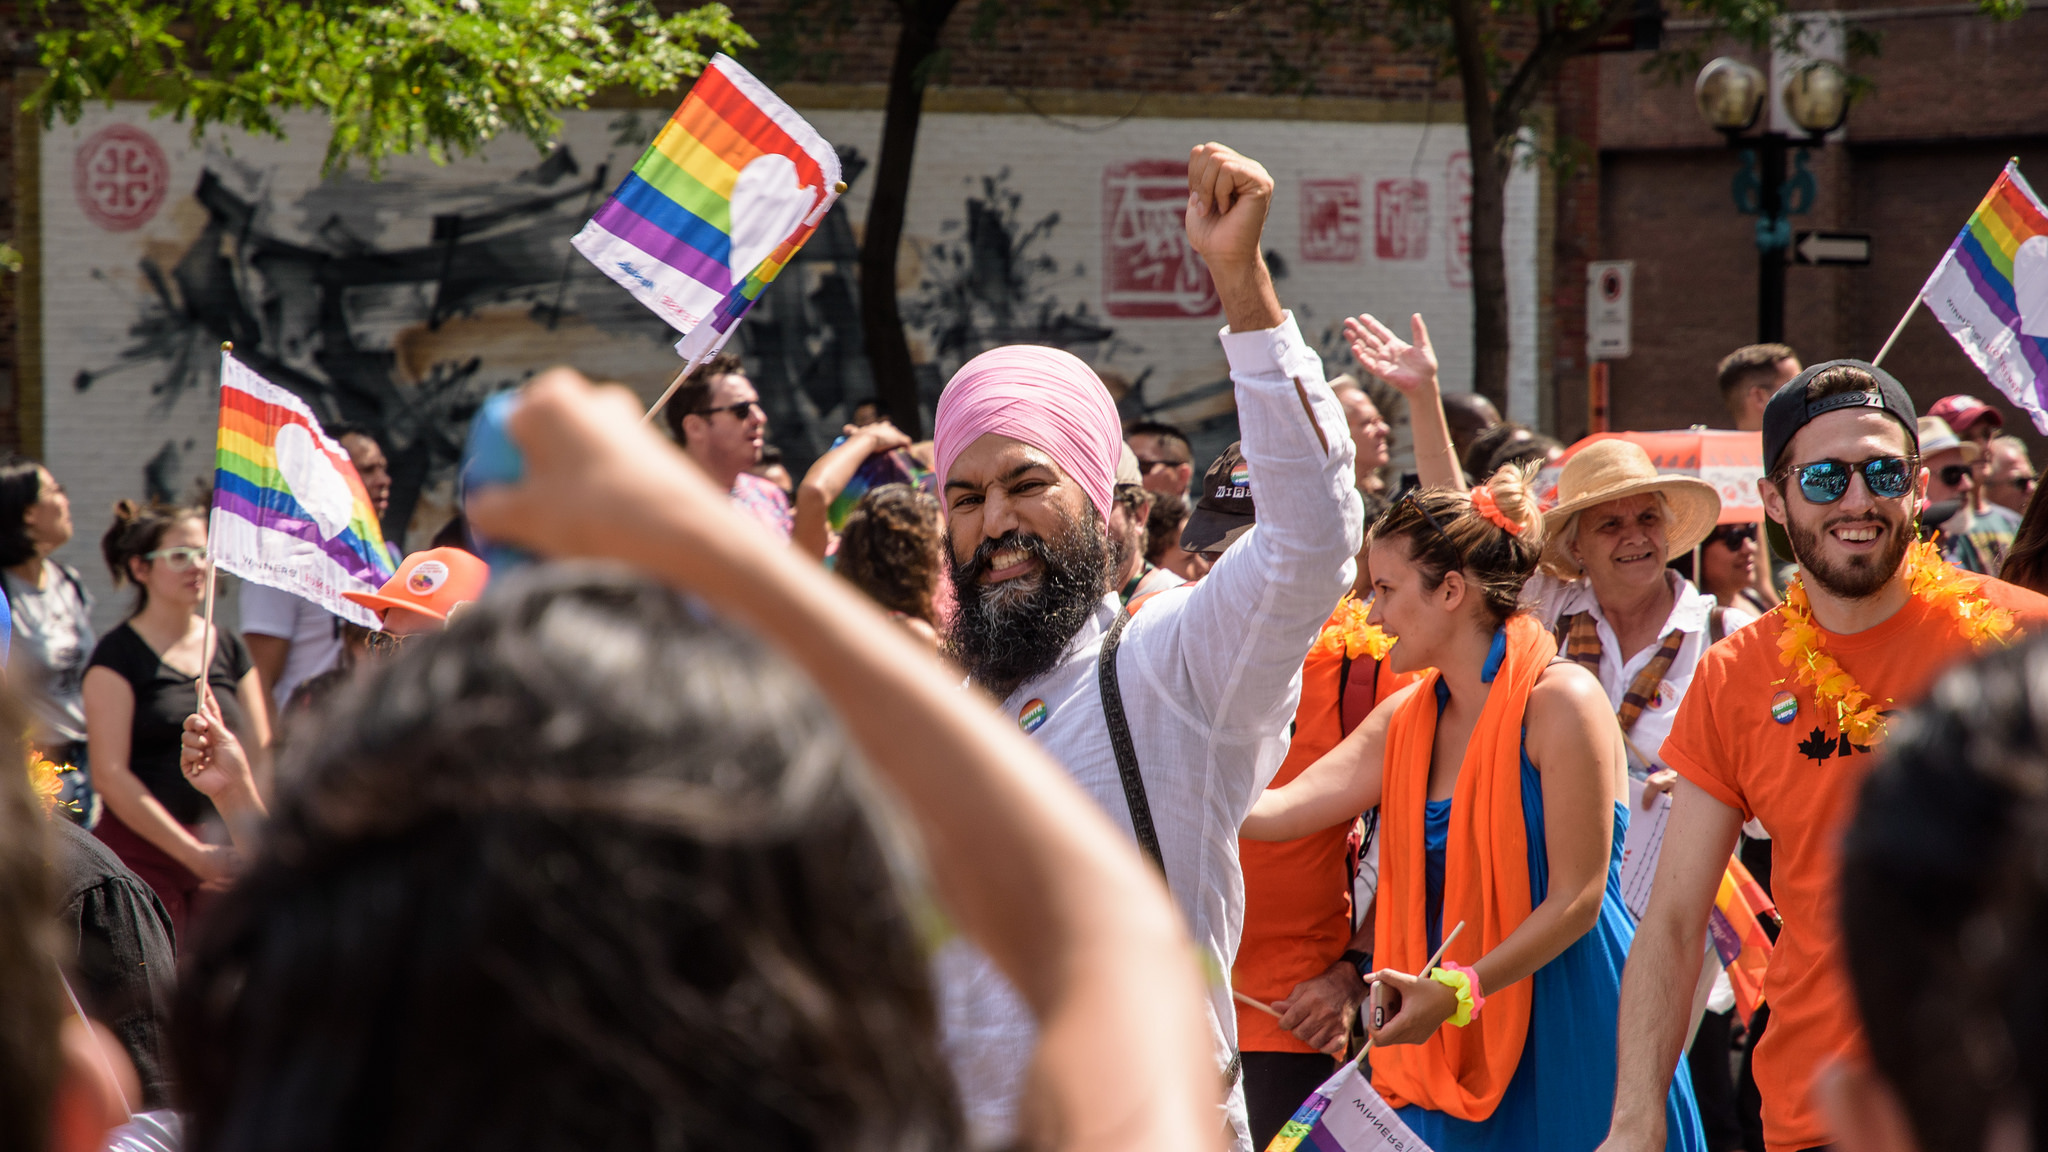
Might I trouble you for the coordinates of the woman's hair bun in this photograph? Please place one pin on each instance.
(127, 511)
(1514, 493)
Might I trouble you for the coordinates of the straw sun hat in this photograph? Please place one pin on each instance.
(1614, 470)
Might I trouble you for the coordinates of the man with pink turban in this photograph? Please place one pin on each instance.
(1204, 677)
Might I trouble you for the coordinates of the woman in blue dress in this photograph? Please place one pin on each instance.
(1502, 787)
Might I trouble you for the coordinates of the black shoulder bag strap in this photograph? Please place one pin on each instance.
(1120, 742)
(1134, 783)
(1717, 624)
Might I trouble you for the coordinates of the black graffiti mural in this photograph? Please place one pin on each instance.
(334, 294)
(330, 318)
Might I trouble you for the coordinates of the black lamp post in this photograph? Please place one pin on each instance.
(1730, 95)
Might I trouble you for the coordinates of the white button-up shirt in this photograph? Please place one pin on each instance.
(1553, 600)
(1210, 674)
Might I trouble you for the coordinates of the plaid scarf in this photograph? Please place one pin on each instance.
(1581, 638)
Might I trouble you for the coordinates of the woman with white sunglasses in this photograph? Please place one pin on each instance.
(141, 685)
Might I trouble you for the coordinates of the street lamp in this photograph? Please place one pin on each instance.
(1730, 95)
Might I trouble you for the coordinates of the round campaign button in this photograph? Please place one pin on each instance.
(1784, 706)
(427, 576)
(1033, 716)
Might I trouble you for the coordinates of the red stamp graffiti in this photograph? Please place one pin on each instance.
(1458, 220)
(1150, 270)
(1332, 220)
(120, 176)
(1400, 219)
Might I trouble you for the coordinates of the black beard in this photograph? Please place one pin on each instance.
(1860, 577)
(1009, 633)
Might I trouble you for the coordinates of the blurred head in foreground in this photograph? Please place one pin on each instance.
(1945, 920)
(583, 871)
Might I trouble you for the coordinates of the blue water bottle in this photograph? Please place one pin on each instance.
(491, 458)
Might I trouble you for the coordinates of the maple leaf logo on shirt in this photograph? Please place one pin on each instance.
(1818, 746)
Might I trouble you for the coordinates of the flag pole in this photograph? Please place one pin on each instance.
(676, 383)
(227, 348)
(1894, 337)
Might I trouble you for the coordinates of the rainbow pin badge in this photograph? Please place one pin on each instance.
(1032, 718)
(1784, 706)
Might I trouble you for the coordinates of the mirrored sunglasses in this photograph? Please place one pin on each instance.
(1826, 481)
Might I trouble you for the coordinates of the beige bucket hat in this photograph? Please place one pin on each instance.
(1613, 470)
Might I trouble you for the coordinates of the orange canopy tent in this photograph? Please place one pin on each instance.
(1731, 461)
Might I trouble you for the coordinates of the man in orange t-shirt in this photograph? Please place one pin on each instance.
(1299, 952)
(1751, 741)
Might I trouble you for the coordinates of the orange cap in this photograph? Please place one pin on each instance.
(433, 583)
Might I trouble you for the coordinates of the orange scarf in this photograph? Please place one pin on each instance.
(1462, 1072)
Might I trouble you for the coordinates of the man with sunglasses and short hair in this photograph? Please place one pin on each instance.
(1164, 458)
(1751, 740)
(718, 419)
(1974, 538)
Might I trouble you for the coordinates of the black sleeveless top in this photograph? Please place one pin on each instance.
(164, 697)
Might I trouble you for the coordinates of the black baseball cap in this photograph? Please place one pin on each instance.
(1225, 510)
(1789, 411)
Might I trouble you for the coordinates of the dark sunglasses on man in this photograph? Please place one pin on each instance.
(740, 410)
(1953, 474)
(1826, 481)
(1147, 467)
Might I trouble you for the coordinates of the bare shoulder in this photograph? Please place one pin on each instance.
(1565, 688)
(1401, 696)
(1382, 716)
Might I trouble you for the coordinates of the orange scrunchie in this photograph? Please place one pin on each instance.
(1462, 1072)
(1484, 504)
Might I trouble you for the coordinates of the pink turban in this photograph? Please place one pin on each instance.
(1044, 397)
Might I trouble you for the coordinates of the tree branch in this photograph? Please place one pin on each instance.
(1552, 49)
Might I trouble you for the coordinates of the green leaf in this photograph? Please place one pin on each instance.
(443, 76)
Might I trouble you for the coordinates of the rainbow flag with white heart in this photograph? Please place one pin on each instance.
(1990, 291)
(289, 509)
(732, 186)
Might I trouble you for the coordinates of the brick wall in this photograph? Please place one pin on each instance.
(1954, 97)
(1159, 46)
(1577, 240)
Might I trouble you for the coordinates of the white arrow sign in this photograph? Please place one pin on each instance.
(1832, 247)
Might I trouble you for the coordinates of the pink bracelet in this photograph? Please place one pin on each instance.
(1465, 982)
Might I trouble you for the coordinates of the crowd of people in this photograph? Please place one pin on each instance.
(1040, 785)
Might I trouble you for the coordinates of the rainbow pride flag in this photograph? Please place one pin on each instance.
(732, 186)
(1990, 291)
(1346, 1114)
(1735, 927)
(289, 510)
(896, 467)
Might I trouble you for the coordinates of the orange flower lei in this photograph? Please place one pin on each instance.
(1351, 636)
(1932, 580)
